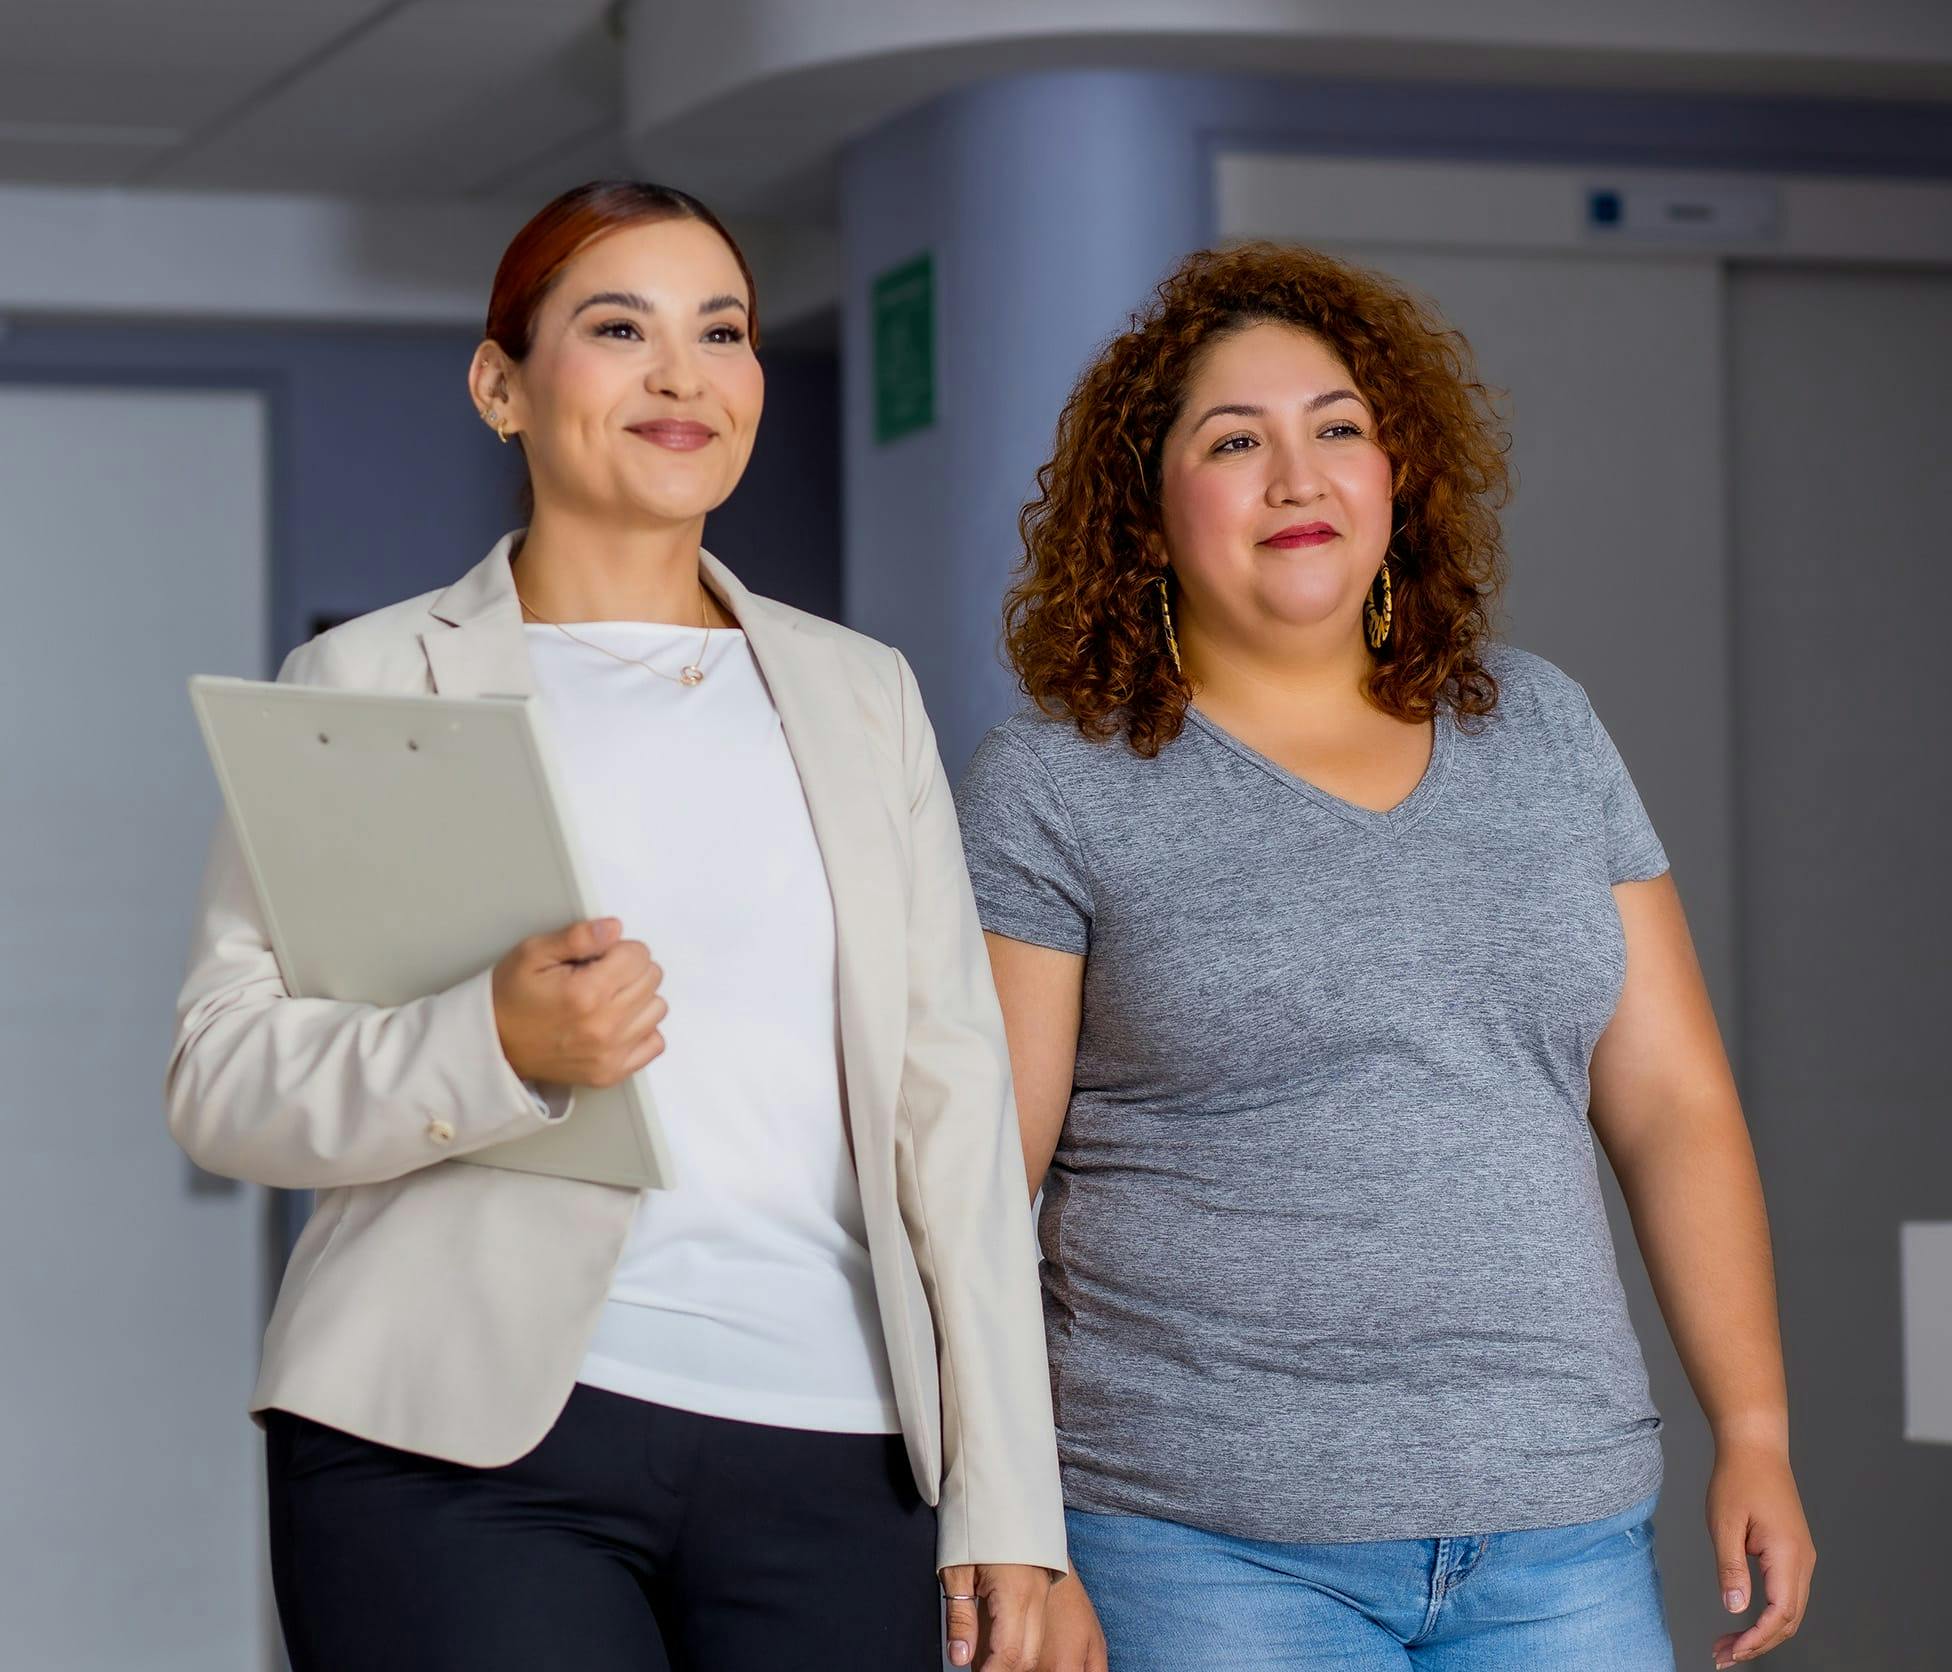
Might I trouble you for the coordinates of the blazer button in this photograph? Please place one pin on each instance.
(440, 1132)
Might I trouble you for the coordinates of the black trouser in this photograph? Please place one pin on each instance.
(635, 1538)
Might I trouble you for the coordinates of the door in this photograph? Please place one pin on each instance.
(1842, 600)
(133, 551)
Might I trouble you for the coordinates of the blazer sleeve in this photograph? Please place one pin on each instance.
(968, 1215)
(312, 1093)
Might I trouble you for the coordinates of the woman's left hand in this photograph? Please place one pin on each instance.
(1754, 1510)
(1002, 1629)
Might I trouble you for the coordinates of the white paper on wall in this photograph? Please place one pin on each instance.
(1927, 1281)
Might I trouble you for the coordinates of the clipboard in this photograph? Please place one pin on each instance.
(402, 843)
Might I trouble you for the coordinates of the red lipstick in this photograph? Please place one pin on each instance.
(1301, 534)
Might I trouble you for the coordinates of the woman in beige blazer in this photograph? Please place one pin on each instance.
(528, 1422)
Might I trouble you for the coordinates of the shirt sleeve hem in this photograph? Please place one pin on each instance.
(1058, 939)
(1643, 870)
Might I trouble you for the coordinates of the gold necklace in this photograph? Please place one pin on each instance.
(693, 673)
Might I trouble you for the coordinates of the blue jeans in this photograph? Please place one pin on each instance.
(1172, 1598)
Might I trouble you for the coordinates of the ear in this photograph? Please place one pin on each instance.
(492, 383)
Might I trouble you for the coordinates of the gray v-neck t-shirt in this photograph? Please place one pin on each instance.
(1325, 1255)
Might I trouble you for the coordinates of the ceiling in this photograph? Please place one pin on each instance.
(369, 99)
(382, 100)
(745, 101)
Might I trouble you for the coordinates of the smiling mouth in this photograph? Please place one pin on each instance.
(679, 435)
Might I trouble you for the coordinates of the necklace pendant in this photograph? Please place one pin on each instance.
(693, 675)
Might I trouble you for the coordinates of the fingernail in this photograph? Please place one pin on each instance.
(1733, 1600)
(959, 1652)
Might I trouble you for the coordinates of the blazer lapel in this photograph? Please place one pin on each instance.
(480, 652)
(813, 690)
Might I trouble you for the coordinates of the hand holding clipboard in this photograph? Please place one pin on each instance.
(579, 1007)
(400, 844)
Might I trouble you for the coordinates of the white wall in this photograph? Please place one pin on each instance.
(134, 553)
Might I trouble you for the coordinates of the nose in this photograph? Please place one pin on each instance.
(671, 369)
(1294, 476)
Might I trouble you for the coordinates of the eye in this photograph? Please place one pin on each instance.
(1343, 427)
(1227, 446)
(614, 325)
(725, 334)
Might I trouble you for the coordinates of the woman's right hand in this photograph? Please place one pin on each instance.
(579, 1007)
(1073, 1639)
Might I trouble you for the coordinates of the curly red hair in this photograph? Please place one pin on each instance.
(1082, 624)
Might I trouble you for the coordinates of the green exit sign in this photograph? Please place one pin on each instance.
(904, 349)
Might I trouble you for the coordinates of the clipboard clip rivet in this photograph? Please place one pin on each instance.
(323, 738)
(411, 744)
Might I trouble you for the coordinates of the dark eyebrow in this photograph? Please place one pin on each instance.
(1326, 398)
(630, 299)
(1231, 412)
(614, 299)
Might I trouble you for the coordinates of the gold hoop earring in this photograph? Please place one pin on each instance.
(1376, 621)
(1166, 614)
(497, 422)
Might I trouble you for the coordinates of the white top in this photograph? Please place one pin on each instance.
(745, 1292)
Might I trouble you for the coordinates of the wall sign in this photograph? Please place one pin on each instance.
(904, 349)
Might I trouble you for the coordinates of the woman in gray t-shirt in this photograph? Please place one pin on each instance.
(1328, 933)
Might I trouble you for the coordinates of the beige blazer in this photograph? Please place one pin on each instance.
(444, 1309)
